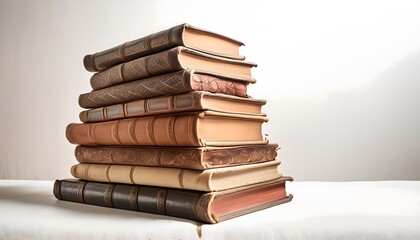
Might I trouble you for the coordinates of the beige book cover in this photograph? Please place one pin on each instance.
(208, 180)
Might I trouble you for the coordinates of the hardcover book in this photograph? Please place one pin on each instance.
(194, 101)
(209, 180)
(167, 84)
(175, 59)
(181, 35)
(195, 129)
(208, 207)
(198, 158)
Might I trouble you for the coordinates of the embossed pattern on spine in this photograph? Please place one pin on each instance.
(173, 157)
(172, 83)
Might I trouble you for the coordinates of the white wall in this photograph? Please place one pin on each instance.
(341, 78)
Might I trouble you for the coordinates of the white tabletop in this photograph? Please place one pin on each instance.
(319, 210)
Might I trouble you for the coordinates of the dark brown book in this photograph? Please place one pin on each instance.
(193, 129)
(175, 59)
(208, 207)
(189, 158)
(181, 35)
(194, 101)
(162, 85)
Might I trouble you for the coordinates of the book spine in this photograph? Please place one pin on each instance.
(134, 49)
(168, 84)
(156, 157)
(151, 176)
(173, 83)
(162, 130)
(155, 200)
(158, 63)
(151, 106)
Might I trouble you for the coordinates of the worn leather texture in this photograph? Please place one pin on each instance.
(189, 158)
(193, 101)
(146, 45)
(166, 84)
(187, 204)
(157, 64)
(206, 180)
(164, 130)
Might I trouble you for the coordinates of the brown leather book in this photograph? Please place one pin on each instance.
(194, 101)
(181, 35)
(194, 129)
(208, 207)
(208, 180)
(189, 158)
(167, 84)
(171, 60)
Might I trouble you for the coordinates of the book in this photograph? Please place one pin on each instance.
(198, 158)
(208, 207)
(181, 35)
(208, 180)
(206, 128)
(194, 101)
(167, 84)
(174, 59)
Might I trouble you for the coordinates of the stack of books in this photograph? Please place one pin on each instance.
(170, 129)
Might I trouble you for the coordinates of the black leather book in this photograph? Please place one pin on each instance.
(209, 207)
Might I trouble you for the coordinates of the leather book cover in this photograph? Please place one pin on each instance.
(149, 44)
(184, 129)
(194, 205)
(216, 179)
(167, 84)
(189, 158)
(166, 62)
(193, 101)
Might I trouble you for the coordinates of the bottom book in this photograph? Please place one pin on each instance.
(209, 207)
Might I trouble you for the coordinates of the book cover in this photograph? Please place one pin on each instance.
(206, 128)
(209, 180)
(208, 207)
(198, 158)
(194, 101)
(181, 35)
(175, 59)
(162, 85)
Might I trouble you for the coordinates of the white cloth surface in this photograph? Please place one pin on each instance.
(333, 210)
(29, 210)
(319, 210)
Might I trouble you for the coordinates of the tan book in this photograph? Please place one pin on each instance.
(181, 35)
(163, 85)
(209, 207)
(193, 101)
(199, 158)
(171, 60)
(196, 129)
(208, 180)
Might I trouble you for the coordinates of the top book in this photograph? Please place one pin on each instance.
(181, 35)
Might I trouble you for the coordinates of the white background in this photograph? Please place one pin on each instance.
(341, 78)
